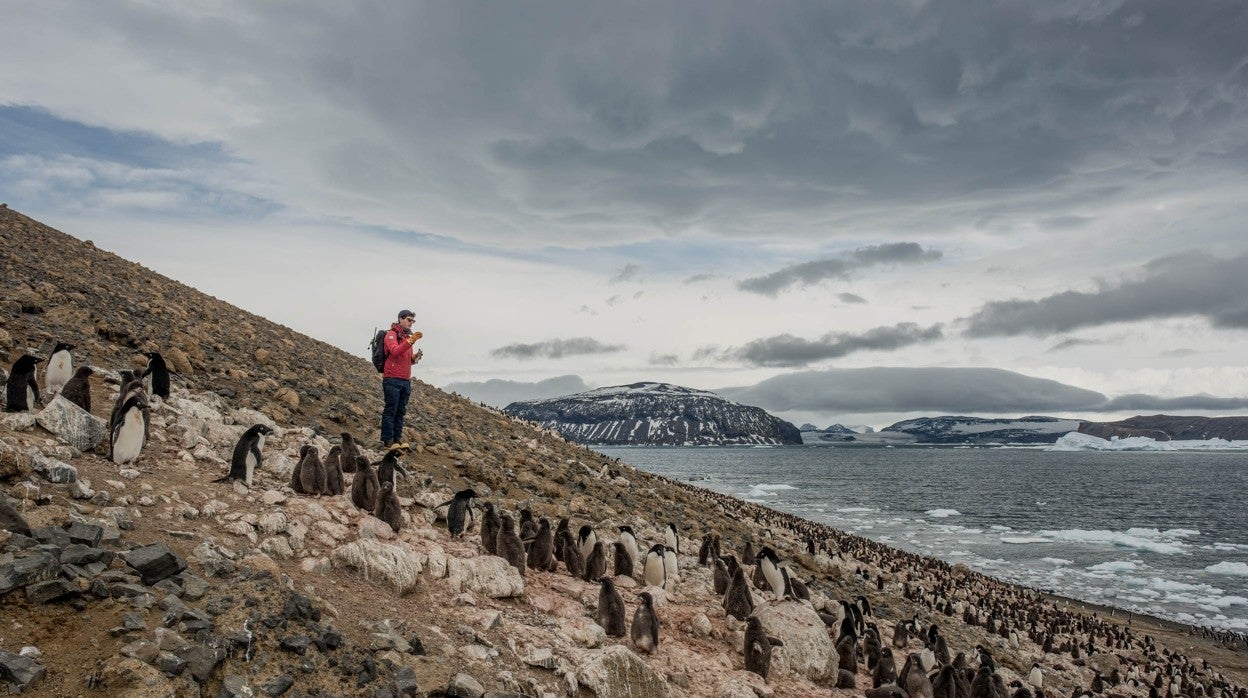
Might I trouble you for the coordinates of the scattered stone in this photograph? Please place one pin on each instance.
(154, 562)
(51, 590)
(54, 470)
(74, 425)
(202, 661)
(28, 570)
(169, 663)
(464, 686)
(279, 685)
(20, 673)
(616, 672)
(85, 533)
(235, 686)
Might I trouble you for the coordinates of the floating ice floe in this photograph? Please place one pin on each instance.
(1076, 441)
(1136, 538)
(1115, 566)
(942, 513)
(1235, 569)
(766, 491)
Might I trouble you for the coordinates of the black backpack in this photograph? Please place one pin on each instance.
(378, 345)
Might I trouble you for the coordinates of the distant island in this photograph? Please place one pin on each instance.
(963, 430)
(656, 414)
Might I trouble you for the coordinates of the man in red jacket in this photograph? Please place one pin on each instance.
(396, 381)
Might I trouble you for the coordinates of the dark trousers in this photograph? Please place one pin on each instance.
(396, 392)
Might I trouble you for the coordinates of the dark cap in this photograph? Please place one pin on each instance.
(406, 313)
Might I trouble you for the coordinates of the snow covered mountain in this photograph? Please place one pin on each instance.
(655, 414)
(978, 430)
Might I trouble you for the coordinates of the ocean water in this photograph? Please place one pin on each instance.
(1161, 533)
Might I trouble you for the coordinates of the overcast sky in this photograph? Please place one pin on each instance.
(764, 197)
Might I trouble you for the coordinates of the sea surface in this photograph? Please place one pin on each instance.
(1161, 533)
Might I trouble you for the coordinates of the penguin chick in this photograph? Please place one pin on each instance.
(645, 631)
(364, 486)
(459, 513)
(757, 647)
(509, 545)
(610, 608)
(388, 508)
(78, 389)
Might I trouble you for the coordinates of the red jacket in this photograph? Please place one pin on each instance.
(398, 354)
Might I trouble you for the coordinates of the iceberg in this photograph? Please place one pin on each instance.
(1077, 441)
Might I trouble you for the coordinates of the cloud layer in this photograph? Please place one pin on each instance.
(500, 393)
(787, 350)
(808, 273)
(555, 349)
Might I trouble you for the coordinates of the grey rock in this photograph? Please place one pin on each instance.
(235, 687)
(193, 588)
(28, 570)
(85, 533)
(54, 470)
(616, 672)
(74, 425)
(20, 673)
(133, 621)
(296, 643)
(154, 562)
(278, 686)
(170, 663)
(51, 590)
(80, 554)
(464, 686)
(11, 519)
(126, 590)
(202, 661)
(405, 682)
(52, 535)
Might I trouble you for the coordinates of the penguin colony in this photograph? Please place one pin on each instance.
(930, 668)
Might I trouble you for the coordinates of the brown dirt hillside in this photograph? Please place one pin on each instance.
(266, 592)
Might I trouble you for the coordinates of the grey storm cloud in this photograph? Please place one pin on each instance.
(1072, 342)
(788, 350)
(1152, 403)
(558, 123)
(1191, 284)
(808, 273)
(851, 298)
(629, 272)
(555, 349)
(500, 393)
(943, 390)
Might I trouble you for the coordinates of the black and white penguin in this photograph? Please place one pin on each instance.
(585, 540)
(312, 474)
(738, 602)
(388, 508)
(21, 389)
(671, 537)
(610, 608)
(248, 455)
(459, 514)
(510, 548)
(720, 576)
(1035, 677)
(390, 468)
(885, 669)
(130, 386)
(60, 368)
(129, 434)
(653, 573)
(78, 389)
(296, 477)
(705, 550)
(757, 647)
(489, 529)
(365, 485)
(630, 545)
(156, 375)
(671, 569)
(623, 563)
(541, 555)
(645, 631)
(769, 564)
(596, 563)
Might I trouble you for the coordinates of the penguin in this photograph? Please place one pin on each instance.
(945, 683)
(885, 669)
(720, 576)
(296, 478)
(388, 508)
(864, 605)
(489, 530)
(847, 653)
(350, 451)
(130, 386)
(459, 516)
(596, 563)
(671, 538)
(248, 454)
(1035, 677)
(78, 389)
(630, 545)
(156, 375)
(541, 555)
(800, 591)
(365, 485)
(585, 540)
(705, 550)
(509, 546)
(901, 638)
(757, 647)
(21, 389)
(333, 471)
(769, 563)
(573, 558)
(129, 434)
(1020, 691)
(645, 631)
(563, 539)
(623, 563)
(747, 551)
(654, 571)
(390, 468)
(912, 679)
(982, 686)
(610, 608)
(738, 602)
(671, 571)
(60, 368)
(312, 475)
(528, 527)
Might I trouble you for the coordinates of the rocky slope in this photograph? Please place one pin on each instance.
(152, 580)
(1162, 427)
(655, 414)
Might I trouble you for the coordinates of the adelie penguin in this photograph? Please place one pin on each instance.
(585, 540)
(541, 555)
(60, 367)
(623, 563)
(78, 389)
(490, 523)
(390, 468)
(629, 540)
(610, 608)
(248, 455)
(350, 451)
(596, 563)
(388, 508)
(459, 513)
(738, 602)
(510, 548)
(22, 390)
(312, 474)
(645, 631)
(758, 646)
(333, 471)
(129, 434)
(654, 573)
(671, 571)
(671, 537)
(156, 375)
(365, 485)
(769, 564)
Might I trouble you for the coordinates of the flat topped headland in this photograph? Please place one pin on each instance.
(150, 579)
